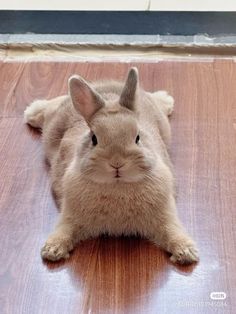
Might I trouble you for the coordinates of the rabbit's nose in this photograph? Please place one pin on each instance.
(117, 165)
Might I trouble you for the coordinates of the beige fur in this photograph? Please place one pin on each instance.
(117, 186)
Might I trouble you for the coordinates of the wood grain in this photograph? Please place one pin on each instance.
(123, 275)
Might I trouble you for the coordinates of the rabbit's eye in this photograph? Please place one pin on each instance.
(137, 139)
(94, 140)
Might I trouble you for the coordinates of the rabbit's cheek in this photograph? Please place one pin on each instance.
(131, 175)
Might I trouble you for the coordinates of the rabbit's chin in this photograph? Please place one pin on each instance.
(108, 179)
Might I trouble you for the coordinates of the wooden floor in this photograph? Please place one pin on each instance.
(124, 275)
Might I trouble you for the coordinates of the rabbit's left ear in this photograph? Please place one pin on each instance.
(84, 98)
(128, 95)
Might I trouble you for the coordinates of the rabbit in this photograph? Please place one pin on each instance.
(107, 146)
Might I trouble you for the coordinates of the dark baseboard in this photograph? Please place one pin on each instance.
(118, 22)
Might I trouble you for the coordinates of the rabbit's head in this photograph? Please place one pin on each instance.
(113, 150)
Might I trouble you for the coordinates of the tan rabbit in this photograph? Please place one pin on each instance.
(107, 146)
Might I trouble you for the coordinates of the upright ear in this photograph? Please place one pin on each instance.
(84, 98)
(128, 95)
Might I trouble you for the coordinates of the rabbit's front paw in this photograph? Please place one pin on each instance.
(185, 254)
(56, 249)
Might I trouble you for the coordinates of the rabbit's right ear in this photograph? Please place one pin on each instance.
(128, 95)
(84, 98)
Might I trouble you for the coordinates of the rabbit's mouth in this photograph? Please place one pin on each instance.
(117, 171)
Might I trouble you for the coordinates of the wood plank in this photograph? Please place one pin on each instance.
(123, 275)
(10, 74)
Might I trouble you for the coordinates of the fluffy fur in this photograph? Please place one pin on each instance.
(107, 145)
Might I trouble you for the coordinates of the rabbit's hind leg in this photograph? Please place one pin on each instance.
(34, 113)
(39, 110)
(165, 101)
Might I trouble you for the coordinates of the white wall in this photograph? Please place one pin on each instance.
(175, 5)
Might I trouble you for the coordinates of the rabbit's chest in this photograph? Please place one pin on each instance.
(116, 213)
(113, 206)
